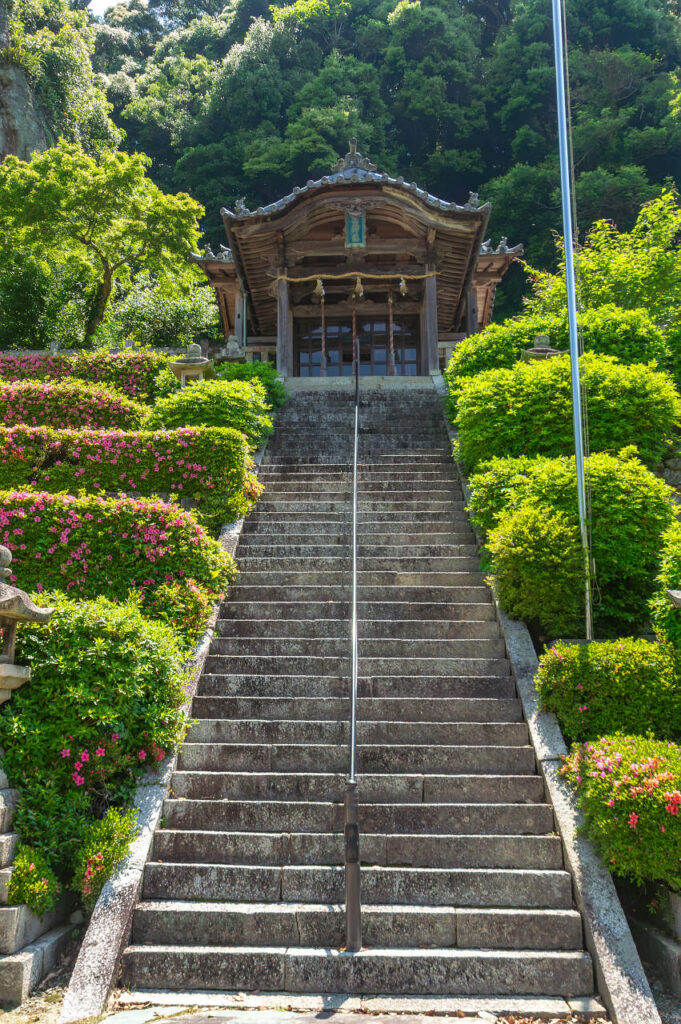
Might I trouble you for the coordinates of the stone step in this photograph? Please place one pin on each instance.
(433, 887)
(542, 852)
(399, 530)
(257, 546)
(218, 730)
(426, 595)
(337, 709)
(340, 563)
(410, 477)
(326, 816)
(374, 789)
(283, 664)
(423, 687)
(498, 759)
(322, 926)
(434, 629)
(381, 611)
(423, 505)
(370, 647)
(293, 577)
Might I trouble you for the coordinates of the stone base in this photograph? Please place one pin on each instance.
(661, 950)
(21, 972)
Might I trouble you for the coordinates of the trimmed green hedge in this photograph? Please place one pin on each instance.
(527, 410)
(667, 618)
(217, 403)
(212, 466)
(629, 788)
(91, 545)
(266, 373)
(142, 376)
(528, 509)
(104, 702)
(69, 403)
(623, 685)
(628, 334)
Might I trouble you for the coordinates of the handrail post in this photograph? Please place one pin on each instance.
(353, 905)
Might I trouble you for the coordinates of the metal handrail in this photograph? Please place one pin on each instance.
(353, 911)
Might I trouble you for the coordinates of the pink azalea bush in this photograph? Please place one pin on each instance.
(70, 403)
(104, 704)
(135, 374)
(629, 788)
(32, 881)
(103, 846)
(209, 466)
(612, 686)
(91, 545)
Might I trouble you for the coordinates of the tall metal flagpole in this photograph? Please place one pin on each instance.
(572, 303)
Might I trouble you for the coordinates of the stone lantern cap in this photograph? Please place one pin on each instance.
(541, 349)
(15, 605)
(193, 357)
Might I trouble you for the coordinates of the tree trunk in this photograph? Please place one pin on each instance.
(99, 304)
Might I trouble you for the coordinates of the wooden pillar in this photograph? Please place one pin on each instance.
(284, 330)
(430, 357)
(239, 325)
(472, 311)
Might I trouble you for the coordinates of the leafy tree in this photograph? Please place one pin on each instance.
(107, 213)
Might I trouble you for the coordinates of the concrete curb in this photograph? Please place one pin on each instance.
(621, 980)
(98, 961)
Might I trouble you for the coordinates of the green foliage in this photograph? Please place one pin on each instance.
(666, 618)
(241, 404)
(42, 301)
(103, 846)
(619, 686)
(32, 882)
(71, 403)
(527, 410)
(91, 545)
(148, 317)
(628, 334)
(54, 45)
(107, 686)
(528, 508)
(266, 373)
(209, 466)
(629, 789)
(109, 216)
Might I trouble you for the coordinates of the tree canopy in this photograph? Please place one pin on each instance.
(110, 218)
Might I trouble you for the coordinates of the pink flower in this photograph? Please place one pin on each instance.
(66, 752)
(100, 751)
(142, 755)
(633, 819)
(85, 757)
(78, 766)
(114, 737)
(78, 779)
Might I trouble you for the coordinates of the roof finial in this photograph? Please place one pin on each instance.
(353, 161)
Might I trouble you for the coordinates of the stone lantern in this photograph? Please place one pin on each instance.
(15, 606)
(541, 350)
(233, 352)
(191, 367)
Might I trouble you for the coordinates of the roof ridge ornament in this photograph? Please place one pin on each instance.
(353, 160)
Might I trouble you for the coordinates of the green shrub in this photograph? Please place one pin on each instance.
(628, 334)
(148, 317)
(91, 545)
(618, 686)
(32, 882)
(527, 410)
(68, 403)
(142, 376)
(216, 403)
(629, 788)
(666, 618)
(104, 701)
(211, 466)
(103, 846)
(266, 373)
(528, 508)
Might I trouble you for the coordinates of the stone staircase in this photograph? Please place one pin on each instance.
(464, 890)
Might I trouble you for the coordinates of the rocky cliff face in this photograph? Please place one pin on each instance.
(23, 128)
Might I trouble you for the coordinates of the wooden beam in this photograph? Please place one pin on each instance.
(356, 267)
(363, 309)
(284, 334)
(430, 353)
(375, 246)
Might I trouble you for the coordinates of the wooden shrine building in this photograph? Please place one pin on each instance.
(356, 256)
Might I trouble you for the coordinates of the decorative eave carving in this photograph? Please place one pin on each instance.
(353, 159)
